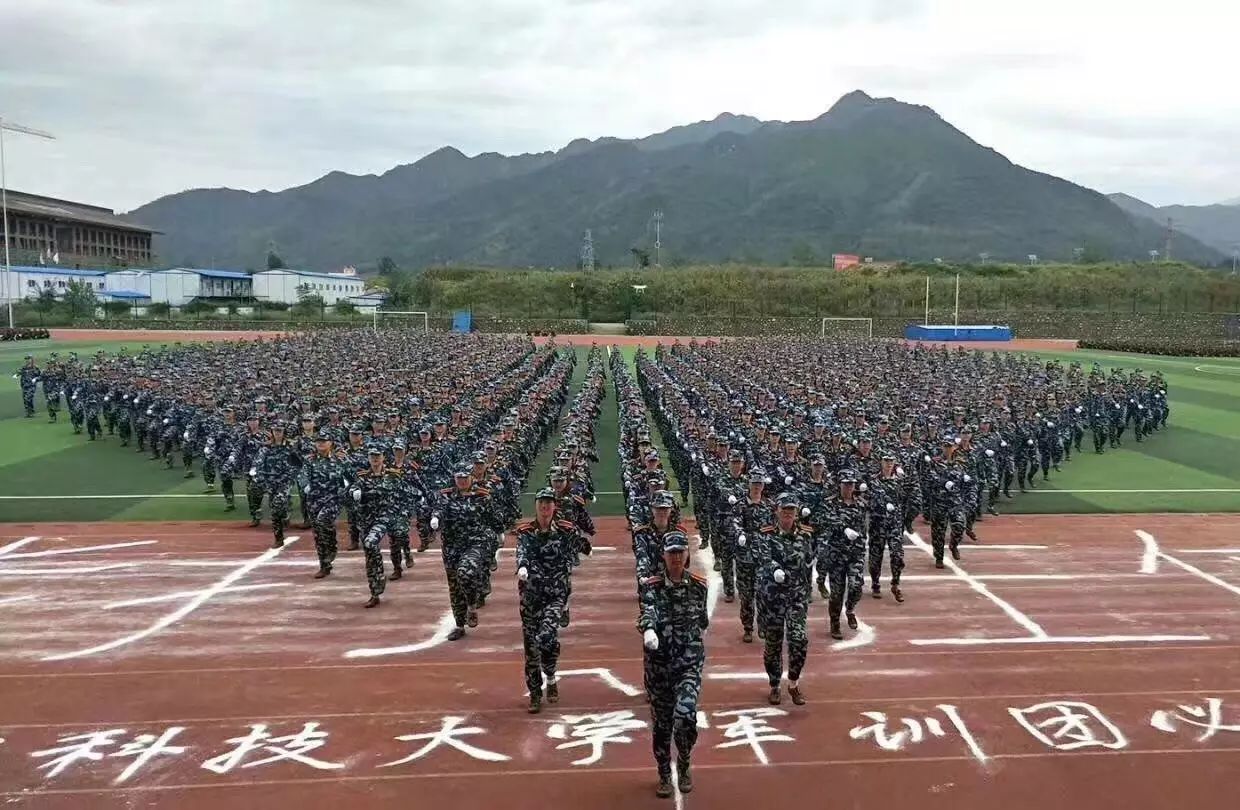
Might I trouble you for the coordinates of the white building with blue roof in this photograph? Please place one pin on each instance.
(29, 282)
(286, 286)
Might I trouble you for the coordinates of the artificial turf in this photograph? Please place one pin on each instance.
(48, 473)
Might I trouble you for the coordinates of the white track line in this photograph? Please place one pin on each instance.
(865, 635)
(446, 625)
(1149, 558)
(15, 545)
(1207, 551)
(26, 555)
(90, 569)
(977, 585)
(714, 581)
(13, 599)
(1192, 569)
(184, 610)
(981, 642)
(172, 597)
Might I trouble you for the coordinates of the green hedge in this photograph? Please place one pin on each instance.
(1175, 348)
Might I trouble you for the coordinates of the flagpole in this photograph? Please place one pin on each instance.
(926, 322)
(4, 206)
(956, 317)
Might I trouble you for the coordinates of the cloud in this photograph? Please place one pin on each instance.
(148, 97)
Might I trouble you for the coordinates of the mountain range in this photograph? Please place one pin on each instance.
(877, 177)
(1216, 225)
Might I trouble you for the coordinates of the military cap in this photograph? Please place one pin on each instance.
(787, 500)
(818, 459)
(323, 436)
(675, 540)
(888, 456)
(357, 427)
(545, 494)
(847, 476)
(374, 450)
(662, 500)
(757, 477)
(480, 456)
(463, 472)
(736, 455)
(400, 444)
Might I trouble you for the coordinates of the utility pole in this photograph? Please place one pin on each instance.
(4, 204)
(587, 252)
(658, 236)
(1170, 235)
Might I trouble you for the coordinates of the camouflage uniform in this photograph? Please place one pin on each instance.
(28, 378)
(275, 471)
(784, 607)
(676, 612)
(546, 556)
(326, 480)
(887, 497)
(845, 556)
(947, 489)
(755, 516)
(468, 533)
(378, 496)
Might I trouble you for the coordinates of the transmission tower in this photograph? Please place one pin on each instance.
(587, 252)
(658, 236)
(1170, 236)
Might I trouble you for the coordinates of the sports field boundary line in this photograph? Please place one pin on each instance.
(607, 493)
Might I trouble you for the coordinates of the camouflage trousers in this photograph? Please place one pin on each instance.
(674, 682)
(208, 470)
(124, 429)
(541, 609)
(943, 517)
(28, 400)
(885, 534)
(784, 613)
(93, 428)
(373, 551)
(745, 573)
(724, 545)
(846, 574)
(279, 502)
(398, 542)
(254, 493)
(324, 515)
(465, 562)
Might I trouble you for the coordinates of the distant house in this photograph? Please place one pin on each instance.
(28, 282)
(287, 286)
(369, 302)
(181, 285)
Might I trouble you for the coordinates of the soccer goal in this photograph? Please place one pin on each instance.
(386, 318)
(848, 327)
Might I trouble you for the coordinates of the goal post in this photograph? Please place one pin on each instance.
(395, 318)
(847, 327)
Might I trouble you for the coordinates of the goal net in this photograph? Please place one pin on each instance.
(848, 327)
(417, 320)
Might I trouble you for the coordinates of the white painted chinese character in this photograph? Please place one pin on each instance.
(293, 747)
(145, 747)
(749, 727)
(1066, 726)
(915, 730)
(594, 730)
(77, 748)
(1208, 717)
(449, 734)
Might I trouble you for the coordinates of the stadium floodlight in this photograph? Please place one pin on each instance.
(390, 316)
(10, 126)
(848, 327)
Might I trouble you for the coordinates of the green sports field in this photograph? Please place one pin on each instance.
(47, 473)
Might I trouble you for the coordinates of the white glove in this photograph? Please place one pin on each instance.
(108, 398)
(150, 411)
(1078, 409)
(1029, 442)
(788, 480)
(1098, 414)
(804, 511)
(899, 470)
(1038, 414)
(185, 435)
(852, 534)
(15, 376)
(705, 469)
(434, 523)
(864, 487)
(306, 489)
(1050, 424)
(741, 540)
(523, 574)
(1003, 444)
(1140, 407)
(357, 495)
(780, 576)
(990, 453)
(693, 456)
(950, 485)
(75, 397)
(891, 507)
(926, 459)
(253, 471)
(732, 500)
(650, 640)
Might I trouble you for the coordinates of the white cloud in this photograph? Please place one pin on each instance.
(148, 97)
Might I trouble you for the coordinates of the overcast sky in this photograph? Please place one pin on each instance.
(149, 97)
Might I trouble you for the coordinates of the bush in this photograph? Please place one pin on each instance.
(24, 333)
(273, 306)
(117, 309)
(160, 310)
(198, 307)
(345, 307)
(1174, 348)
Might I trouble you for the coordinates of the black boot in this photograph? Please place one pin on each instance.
(685, 779)
(897, 593)
(457, 634)
(372, 603)
(553, 693)
(836, 633)
(852, 620)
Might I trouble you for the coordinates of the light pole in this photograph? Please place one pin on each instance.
(4, 203)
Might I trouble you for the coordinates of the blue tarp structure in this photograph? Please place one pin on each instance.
(462, 321)
(976, 332)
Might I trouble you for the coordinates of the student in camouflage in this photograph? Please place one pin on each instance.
(673, 618)
(326, 481)
(887, 496)
(467, 532)
(785, 562)
(28, 377)
(757, 513)
(274, 471)
(845, 555)
(947, 484)
(376, 491)
(545, 547)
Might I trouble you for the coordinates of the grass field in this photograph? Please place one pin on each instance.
(48, 473)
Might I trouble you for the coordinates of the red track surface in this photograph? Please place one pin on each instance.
(277, 656)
